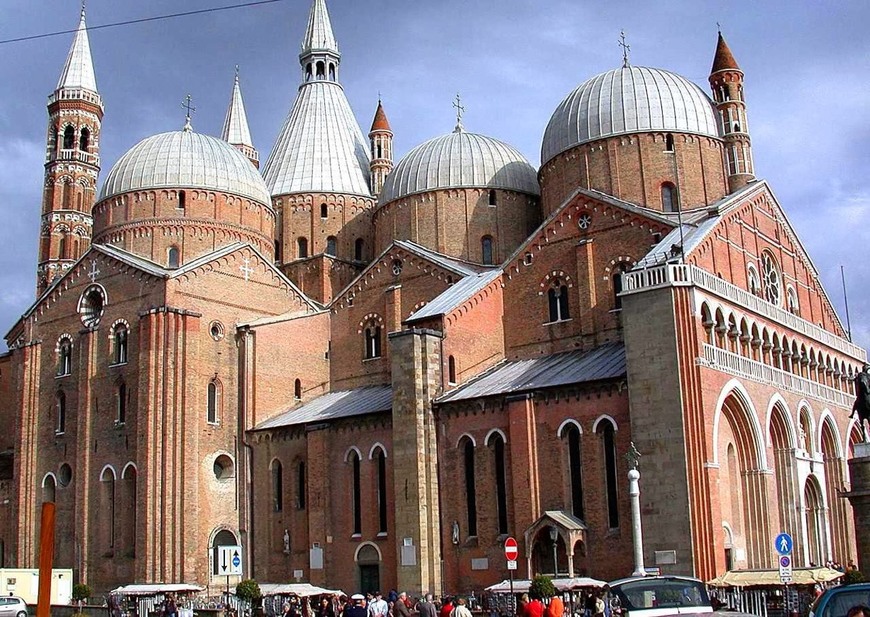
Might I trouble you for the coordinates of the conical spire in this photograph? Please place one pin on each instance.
(78, 72)
(380, 123)
(318, 34)
(724, 59)
(235, 129)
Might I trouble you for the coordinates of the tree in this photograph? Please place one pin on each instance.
(248, 590)
(542, 587)
(81, 592)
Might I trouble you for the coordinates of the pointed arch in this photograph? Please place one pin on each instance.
(363, 545)
(756, 447)
(467, 436)
(560, 432)
(377, 446)
(492, 432)
(787, 429)
(352, 450)
(605, 418)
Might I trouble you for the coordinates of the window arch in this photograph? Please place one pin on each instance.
(451, 370)
(356, 492)
(301, 247)
(64, 356)
(383, 503)
(320, 68)
(173, 258)
(84, 139)
(60, 407)
(492, 197)
(297, 389)
(182, 200)
(791, 299)
(107, 504)
(358, 248)
(49, 488)
(557, 301)
(62, 246)
(467, 447)
(607, 430)
(213, 401)
(331, 245)
(669, 142)
(372, 339)
(121, 402)
(331, 72)
(486, 249)
(621, 269)
(277, 470)
(324, 211)
(301, 485)
(223, 537)
(571, 435)
(497, 444)
(119, 338)
(753, 281)
(69, 138)
(670, 202)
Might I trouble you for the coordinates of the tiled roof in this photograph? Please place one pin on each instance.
(515, 376)
(334, 405)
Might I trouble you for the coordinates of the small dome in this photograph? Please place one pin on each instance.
(184, 159)
(630, 99)
(460, 160)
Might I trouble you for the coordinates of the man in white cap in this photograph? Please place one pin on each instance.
(357, 608)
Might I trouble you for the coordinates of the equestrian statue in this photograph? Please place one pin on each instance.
(862, 398)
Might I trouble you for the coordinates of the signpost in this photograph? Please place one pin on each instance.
(511, 552)
(783, 544)
(229, 563)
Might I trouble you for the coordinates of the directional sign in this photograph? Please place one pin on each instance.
(785, 571)
(783, 544)
(510, 549)
(230, 560)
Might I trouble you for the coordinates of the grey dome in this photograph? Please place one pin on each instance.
(460, 160)
(184, 159)
(628, 100)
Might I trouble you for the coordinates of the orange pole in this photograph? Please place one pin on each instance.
(46, 559)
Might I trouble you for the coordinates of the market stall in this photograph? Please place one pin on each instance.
(762, 593)
(303, 597)
(572, 590)
(145, 600)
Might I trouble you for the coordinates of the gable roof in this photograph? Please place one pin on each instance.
(512, 376)
(455, 295)
(334, 406)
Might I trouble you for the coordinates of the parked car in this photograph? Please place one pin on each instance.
(12, 606)
(836, 601)
(664, 596)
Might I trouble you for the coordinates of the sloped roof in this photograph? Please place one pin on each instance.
(333, 406)
(455, 295)
(514, 376)
(449, 263)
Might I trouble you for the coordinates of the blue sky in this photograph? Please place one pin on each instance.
(806, 66)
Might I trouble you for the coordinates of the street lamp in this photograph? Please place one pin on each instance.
(554, 537)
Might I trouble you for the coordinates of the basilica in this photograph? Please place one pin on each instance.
(368, 371)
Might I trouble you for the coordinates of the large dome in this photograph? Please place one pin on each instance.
(628, 100)
(460, 160)
(184, 159)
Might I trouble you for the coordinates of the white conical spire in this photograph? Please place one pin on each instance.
(318, 34)
(236, 129)
(78, 72)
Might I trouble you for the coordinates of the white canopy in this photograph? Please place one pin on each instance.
(561, 584)
(302, 590)
(157, 589)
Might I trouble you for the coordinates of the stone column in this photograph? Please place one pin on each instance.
(859, 496)
(416, 371)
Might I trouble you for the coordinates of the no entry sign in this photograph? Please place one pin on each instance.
(511, 552)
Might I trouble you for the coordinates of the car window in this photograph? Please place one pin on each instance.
(840, 603)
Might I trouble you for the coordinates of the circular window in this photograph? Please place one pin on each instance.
(64, 475)
(216, 329)
(91, 306)
(223, 467)
(772, 284)
(397, 267)
(584, 221)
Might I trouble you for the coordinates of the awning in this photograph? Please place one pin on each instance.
(301, 590)
(156, 589)
(561, 584)
(770, 578)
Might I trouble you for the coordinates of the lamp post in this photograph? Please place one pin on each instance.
(554, 538)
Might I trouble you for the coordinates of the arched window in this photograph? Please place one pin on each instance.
(557, 297)
(372, 340)
(486, 249)
(356, 493)
(224, 537)
(121, 403)
(301, 248)
(379, 151)
(308, 72)
(297, 389)
(107, 506)
(213, 402)
(69, 138)
(791, 299)
(66, 194)
(382, 491)
(300, 485)
(182, 200)
(753, 280)
(321, 70)
(64, 357)
(575, 470)
(120, 339)
(330, 245)
(331, 72)
(277, 486)
(608, 443)
(451, 370)
(84, 139)
(669, 142)
(500, 483)
(49, 489)
(470, 495)
(617, 285)
(277, 251)
(669, 198)
(60, 404)
(172, 258)
(358, 248)
(492, 197)
(61, 246)
(324, 211)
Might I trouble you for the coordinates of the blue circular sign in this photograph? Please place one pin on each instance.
(236, 561)
(783, 544)
(785, 561)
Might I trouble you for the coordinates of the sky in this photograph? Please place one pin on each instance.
(512, 61)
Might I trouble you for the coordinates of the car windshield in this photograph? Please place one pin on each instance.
(661, 593)
(844, 599)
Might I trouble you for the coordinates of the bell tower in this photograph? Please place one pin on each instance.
(381, 143)
(72, 163)
(726, 81)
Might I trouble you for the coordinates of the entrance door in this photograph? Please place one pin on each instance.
(369, 578)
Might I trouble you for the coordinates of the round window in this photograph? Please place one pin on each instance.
(216, 329)
(397, 267)
(64, 475)
(223, 467)
(91, 306)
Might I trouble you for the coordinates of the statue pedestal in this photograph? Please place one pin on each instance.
(859, 496)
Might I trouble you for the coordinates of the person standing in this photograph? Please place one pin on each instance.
(461, 610)
(400, 606)
(378, 606)
(426, 606)
(356, 609)
(446, 607)
(535, 608)
(556, 607)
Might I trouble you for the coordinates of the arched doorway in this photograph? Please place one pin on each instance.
(544, 560)
(368, 561)
(224, 537)
(814, 522)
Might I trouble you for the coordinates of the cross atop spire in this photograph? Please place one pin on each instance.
(185, 104)
(459, 111)
(625, 48)
(78, 70)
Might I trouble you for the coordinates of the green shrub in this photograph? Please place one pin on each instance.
(542, 587)
(852, 576)
(248, 590)
(81, 592)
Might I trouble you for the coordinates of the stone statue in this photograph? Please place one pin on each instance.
(454, 532)
(286, 542)
(862, 398)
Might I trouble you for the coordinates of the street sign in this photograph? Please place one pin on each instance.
(783, 544)
(511, 552)
(785, 571)
(229, 560)
(512, 564)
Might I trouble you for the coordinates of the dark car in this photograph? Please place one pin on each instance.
(836, 601)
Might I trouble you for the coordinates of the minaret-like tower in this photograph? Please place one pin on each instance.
(726, 81)
(236, 131)
(72, 163)
(381, 143)
(319, 56)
